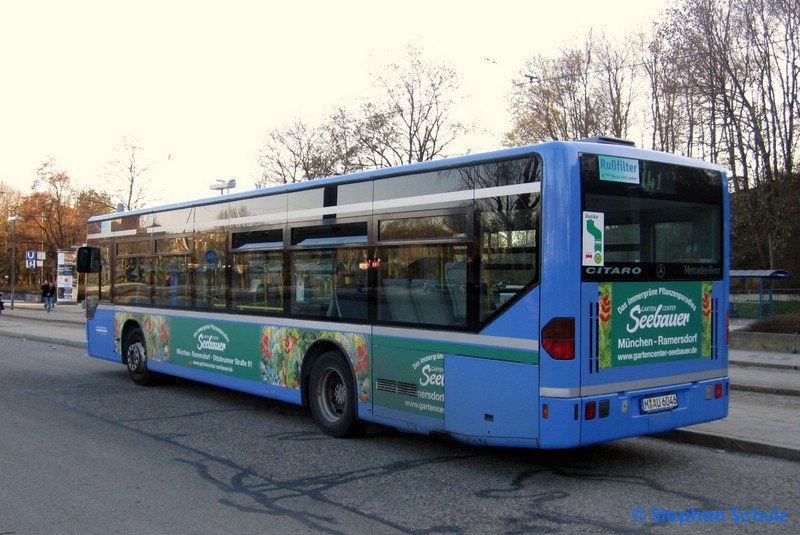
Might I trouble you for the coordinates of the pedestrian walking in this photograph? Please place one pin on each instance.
(48, 291)
(2, 306)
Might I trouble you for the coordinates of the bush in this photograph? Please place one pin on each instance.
(783, 324)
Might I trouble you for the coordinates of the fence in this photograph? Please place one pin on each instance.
(752, 305)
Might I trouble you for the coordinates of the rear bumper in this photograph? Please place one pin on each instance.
(572, 422)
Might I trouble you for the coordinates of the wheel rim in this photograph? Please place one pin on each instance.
(332, 396)
(136, 357)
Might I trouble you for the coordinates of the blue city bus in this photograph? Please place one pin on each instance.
(547, 296)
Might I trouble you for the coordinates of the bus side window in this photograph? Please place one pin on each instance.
(456, 275)
(351, 296)
(425, 285)
(257, 282)
(88, 260)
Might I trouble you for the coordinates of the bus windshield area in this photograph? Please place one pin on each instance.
(646, 220)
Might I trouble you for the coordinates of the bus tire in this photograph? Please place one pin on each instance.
(333, 397)
(136, 358)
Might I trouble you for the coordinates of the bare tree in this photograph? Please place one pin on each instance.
(127, 172)
(614, 64)
(556, 102)
(668, 90)
(583, 92)
(411, 123)
(415, 123)
(286, 156)
(724, 83)
(742, 65)
(343, 131)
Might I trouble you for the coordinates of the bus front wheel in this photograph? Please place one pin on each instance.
(136, 358)
(332, 396)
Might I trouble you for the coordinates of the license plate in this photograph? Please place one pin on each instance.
(659, 403)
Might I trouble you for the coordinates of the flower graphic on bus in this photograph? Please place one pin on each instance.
(283, 349)
(705, 348)
(265, 344)
(156, 334)
(604, 325)
(357, 349)
(289, 343)
(280, 360)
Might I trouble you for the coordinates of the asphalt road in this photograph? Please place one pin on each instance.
(83, 450)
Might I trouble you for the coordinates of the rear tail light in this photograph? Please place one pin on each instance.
(590, 410)
(714, 391)
(558, 338)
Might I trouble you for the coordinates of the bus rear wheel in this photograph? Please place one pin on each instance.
(332, 396)
(135, 352)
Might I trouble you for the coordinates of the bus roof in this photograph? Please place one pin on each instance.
(606, 145)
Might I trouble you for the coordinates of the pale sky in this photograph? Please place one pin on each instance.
(199, 85)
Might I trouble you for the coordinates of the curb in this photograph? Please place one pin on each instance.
(61, 322)
(45, 339)
(768, 365)
(775, 390)
(758, 341)
(699, 438)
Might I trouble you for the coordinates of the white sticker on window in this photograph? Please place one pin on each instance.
(593, 238)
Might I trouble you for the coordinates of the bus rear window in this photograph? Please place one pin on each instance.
(647, 220)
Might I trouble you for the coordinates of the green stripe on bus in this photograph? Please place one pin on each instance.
(469, 350)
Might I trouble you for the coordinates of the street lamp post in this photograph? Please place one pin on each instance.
(223, 185)
(13, 220)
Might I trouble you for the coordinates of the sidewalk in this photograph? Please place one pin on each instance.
(764, 411)
(64, 325)
(764, 416)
